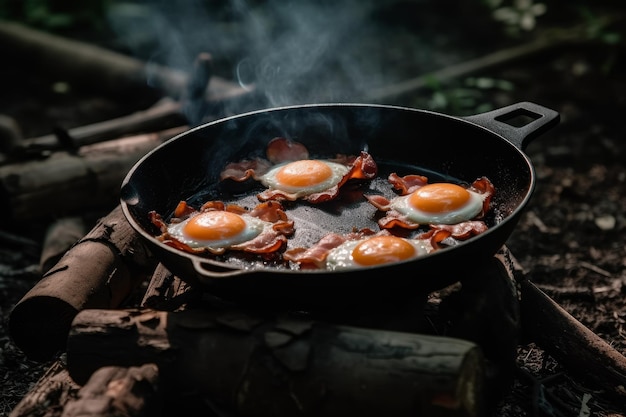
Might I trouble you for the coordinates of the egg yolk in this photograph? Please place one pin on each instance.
(214, 225)
(439, 198)
(303, 173)
(382, 249)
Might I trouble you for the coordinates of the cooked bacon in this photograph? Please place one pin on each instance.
(281, 150)
(362, 167)
(284, 150)
(379, 201)
(265, 243)
(485, 187)
(408, 183)
(315, 256)
(214, 205)
(460, 231)
(395, 219)
(246, 169)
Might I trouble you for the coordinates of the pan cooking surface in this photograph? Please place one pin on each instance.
(350, 211)
(401, 140)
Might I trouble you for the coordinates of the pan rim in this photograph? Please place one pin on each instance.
(512, 216)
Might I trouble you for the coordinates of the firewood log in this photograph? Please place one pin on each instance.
(115, 391)
(258, 366)
(68, 184)
(98, 68)
(49, 394)
(61, 235)
(100, 271)
(570, 342)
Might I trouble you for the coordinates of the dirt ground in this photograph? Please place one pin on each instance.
(571, 239)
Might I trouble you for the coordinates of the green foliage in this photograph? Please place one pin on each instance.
(597, 28)
(464, 97)
(56, 15)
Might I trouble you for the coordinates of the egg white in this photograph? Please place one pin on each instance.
(254, 227)
(338, 172)
(340, 258)
(470, 210)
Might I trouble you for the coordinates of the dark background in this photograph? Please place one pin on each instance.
(571, 237)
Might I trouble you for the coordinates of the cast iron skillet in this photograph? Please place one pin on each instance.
(400, 139)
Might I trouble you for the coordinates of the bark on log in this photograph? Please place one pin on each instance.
(259, 366)
(116, 74)
(100, 271)
(118, 392)
(165, 115)
(570, 342)
(48, 396)
(167, 292)
(546, 42)
(68, 184)
(61, 235)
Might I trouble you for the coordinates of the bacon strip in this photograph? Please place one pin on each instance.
(246, 169)
(407, 184)
(265, 243)
(410, 183)
(460, 231)
(315, 256)
(363, 167)
(283, 150)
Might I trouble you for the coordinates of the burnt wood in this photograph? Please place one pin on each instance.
(61, 235)
(570, 342)
(70, 183)
(49, 394)
(257, 366)
(100, 271)
(101, 69)
(116, 391)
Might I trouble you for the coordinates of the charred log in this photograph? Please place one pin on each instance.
(258, 366)
(48, 396)
(570, 342)
(100, 271)
(88, 179)
(61, 235)
(115, 391)
(116, 73)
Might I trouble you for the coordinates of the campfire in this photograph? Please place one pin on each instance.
(128, 336)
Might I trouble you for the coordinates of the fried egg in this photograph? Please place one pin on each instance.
(304, 177)
(217, 230)
(439, 203)
(376, 250)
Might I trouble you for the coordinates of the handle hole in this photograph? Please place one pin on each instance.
(518, 118)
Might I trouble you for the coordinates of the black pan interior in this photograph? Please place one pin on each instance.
(400, 140)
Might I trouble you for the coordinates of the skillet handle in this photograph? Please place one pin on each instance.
(533, 119)
(208, 270)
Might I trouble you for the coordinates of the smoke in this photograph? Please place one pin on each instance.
(293, 52)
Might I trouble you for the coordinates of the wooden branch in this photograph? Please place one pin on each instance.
(545, 42)
(100, 271)
(111, 391)
(259, 366)
(163, 116)
(115, 391)
(100, 69)
(61, 235)
(168, 292)
(68, 184)
(49, 395)
(571, 343)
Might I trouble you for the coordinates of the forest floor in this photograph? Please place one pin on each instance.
(571, 238)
